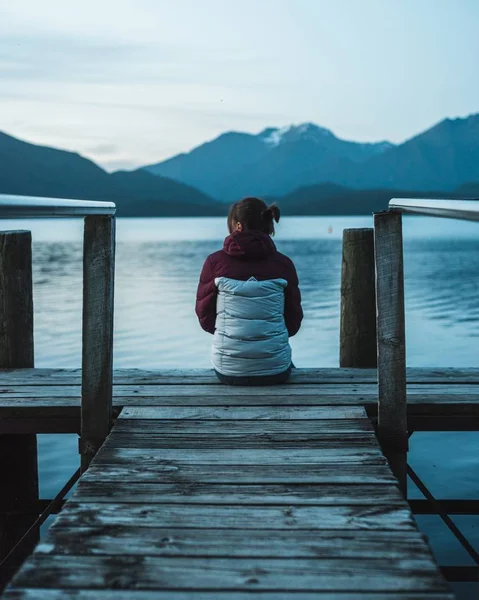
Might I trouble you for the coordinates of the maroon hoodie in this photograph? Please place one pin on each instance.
(244, 255)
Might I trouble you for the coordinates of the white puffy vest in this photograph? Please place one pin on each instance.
(251, 338)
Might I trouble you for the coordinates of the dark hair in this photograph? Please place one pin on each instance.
(253, 213)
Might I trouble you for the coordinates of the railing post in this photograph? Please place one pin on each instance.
(358, 301)
(97, 355)
(392, 403)
(18, 453)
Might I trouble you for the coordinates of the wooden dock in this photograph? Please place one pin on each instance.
(49, 400)
(207, 491)
(191, 490)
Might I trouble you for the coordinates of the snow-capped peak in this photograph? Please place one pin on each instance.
(274, 136)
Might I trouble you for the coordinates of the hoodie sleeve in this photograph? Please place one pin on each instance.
(206, 297)
(293, 312)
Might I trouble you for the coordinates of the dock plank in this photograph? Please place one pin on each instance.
(333, 473)
(200, 494)
(326, 390)
(222, 441)
(206, 376)
(83, 594)
(242, 413)
(243, 517)
(114, 452)
(156, 573)
(252, 427)
(160, 541)
(156, 492)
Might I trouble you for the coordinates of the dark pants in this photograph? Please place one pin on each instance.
(261, 380)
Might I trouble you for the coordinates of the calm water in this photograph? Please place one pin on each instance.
(158, 263)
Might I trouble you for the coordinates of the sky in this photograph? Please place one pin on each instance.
(132, 82)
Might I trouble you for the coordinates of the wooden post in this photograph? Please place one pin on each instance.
(392, 402)
(97, 356)
(18, 453)
(358, 301)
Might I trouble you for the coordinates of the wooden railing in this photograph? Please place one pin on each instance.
(16, 305)
(373, 316)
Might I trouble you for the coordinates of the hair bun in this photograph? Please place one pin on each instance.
(254, 215)
(272, 212)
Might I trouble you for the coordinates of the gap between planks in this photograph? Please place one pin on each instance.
(84, 594)
(206, 376)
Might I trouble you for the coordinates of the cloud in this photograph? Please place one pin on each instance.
(52, 56)
(100, 149)
(57, 57)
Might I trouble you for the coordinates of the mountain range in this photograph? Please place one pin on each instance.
(31, 170)
(305, 168)
(278, 161)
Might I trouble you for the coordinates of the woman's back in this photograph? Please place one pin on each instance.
(248, 296)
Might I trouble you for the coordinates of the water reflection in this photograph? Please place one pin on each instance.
(156, 280)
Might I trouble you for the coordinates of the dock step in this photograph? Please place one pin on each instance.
(235, 503)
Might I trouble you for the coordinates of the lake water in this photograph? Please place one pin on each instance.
(158, 264)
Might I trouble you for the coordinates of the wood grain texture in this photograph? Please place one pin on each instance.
(224, 440)
(237, 517)
(160, 541)
(424, 375)
(18, 453)
(97, 352)
(357, 335)
(156, 573)
(112, 452)
(287, 500)
(337, 394)
(182, 426)
(83, 594)
(16, 300)
(244, 413)
(151, 470)
(391, 337)
(155, 492)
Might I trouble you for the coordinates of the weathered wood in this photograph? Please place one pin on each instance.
(357, 338)
(154, 573)
(196, 377)
(125, 456)
(161, 541)
(242, 413)
(290, 499)
(260, 426)
(246, 440)
(190, 427)
(97, 353)
(392, 404)
(426, 412)
(16, 300)
(18, 453)
(155, 492)
(151, 470)
(237, 517)
(336, 452)
(77, 594)
(224, 395)
(49, 400)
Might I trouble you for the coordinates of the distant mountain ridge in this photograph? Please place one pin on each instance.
(278, 161)
(331, 199)
(31, 170)
(273, 162)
